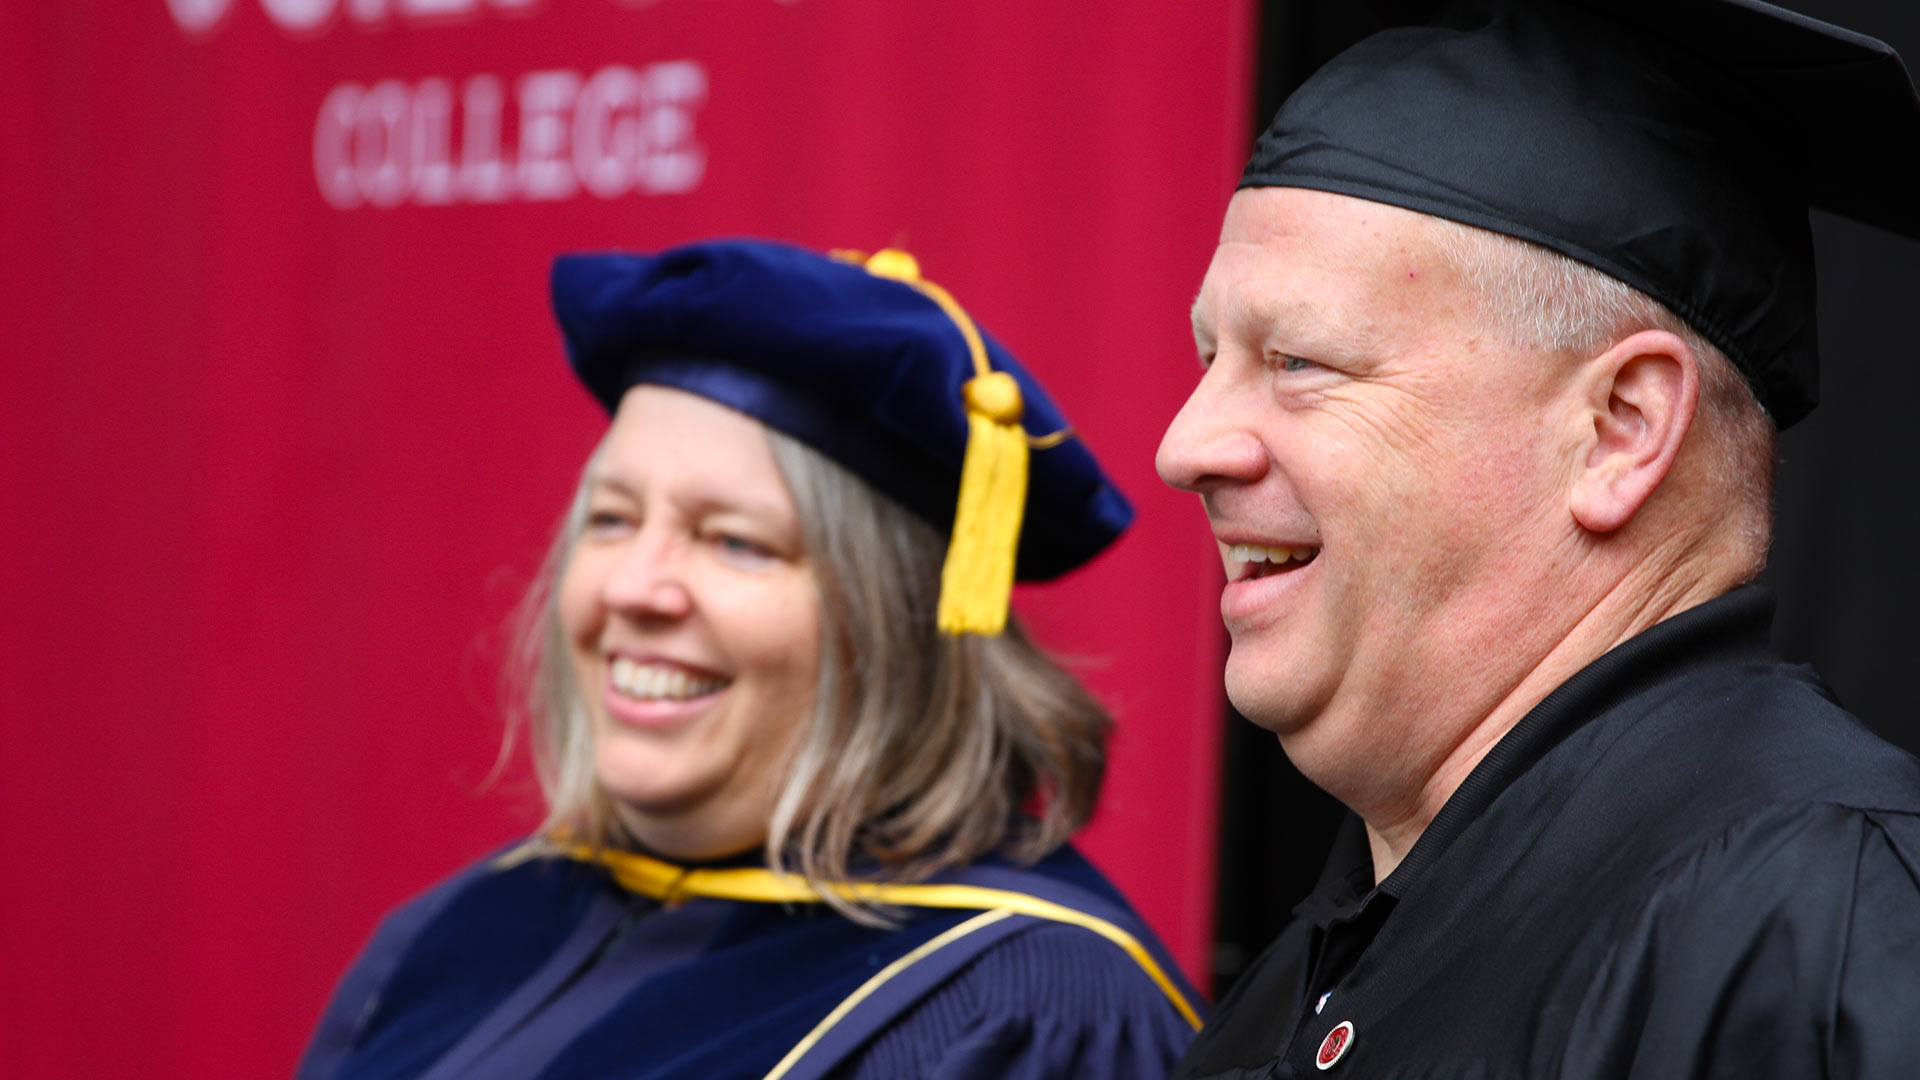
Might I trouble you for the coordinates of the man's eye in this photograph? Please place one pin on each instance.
(1291, 363)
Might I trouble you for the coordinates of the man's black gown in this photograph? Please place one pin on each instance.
(1687, 861)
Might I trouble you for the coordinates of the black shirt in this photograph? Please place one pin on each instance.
(1687, 861)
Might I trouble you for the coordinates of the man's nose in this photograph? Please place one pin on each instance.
(1209, 445)
(649, 580)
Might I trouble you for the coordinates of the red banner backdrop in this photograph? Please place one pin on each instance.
(284, 424)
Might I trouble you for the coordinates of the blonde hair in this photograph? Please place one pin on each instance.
(923, 750)
(1541, 299)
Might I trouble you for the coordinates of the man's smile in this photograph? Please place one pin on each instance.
(1248, 561)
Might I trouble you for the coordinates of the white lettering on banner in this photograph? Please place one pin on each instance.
(383, 175)
(621, 130)
(298, 16)
(432, 138)
(304, 16)
(309, 18)
(198, 16)
(609, 132)
(546, 106)
(483, 176)
(373, 11)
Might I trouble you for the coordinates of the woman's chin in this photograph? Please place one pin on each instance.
(674, 830)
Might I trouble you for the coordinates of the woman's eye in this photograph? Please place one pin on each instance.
(601, 521)
(741, 548)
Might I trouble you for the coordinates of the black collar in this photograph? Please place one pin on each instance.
(1730, 629)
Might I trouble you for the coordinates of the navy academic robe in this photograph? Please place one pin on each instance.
(550, 969)
(1686, 862)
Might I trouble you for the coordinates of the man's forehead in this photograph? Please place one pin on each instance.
(1325, 219)
(1295, 256)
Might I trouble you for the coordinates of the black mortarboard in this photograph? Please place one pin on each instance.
(1675, 146)
(874, 366)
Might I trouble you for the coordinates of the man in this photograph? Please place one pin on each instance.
(1495, 340)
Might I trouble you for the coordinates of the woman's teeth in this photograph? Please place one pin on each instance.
(659, 682)
(1261, 553)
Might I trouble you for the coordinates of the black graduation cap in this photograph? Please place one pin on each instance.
(1675, 146)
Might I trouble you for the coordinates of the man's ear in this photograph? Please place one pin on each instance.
(1639, 397)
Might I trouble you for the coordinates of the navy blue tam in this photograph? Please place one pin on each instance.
(868, 366)
(1672, 144)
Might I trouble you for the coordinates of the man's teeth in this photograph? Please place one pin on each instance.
(659, 682)
(1260, 553)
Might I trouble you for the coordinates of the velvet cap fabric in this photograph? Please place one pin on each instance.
(865, 369)
(1675, 146)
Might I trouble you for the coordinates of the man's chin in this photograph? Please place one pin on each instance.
(1266, 702)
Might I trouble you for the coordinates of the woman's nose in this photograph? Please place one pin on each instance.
(649, 580)
(1209, 444)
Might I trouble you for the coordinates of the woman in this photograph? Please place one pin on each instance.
(795, 828)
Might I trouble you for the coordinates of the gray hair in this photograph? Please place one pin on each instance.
(1540, 299)
(923, 750)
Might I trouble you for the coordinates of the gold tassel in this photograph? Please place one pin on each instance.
(976, 584)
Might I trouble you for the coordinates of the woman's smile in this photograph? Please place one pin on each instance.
(654, 692)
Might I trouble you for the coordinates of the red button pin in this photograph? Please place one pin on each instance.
(1335, 1045)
